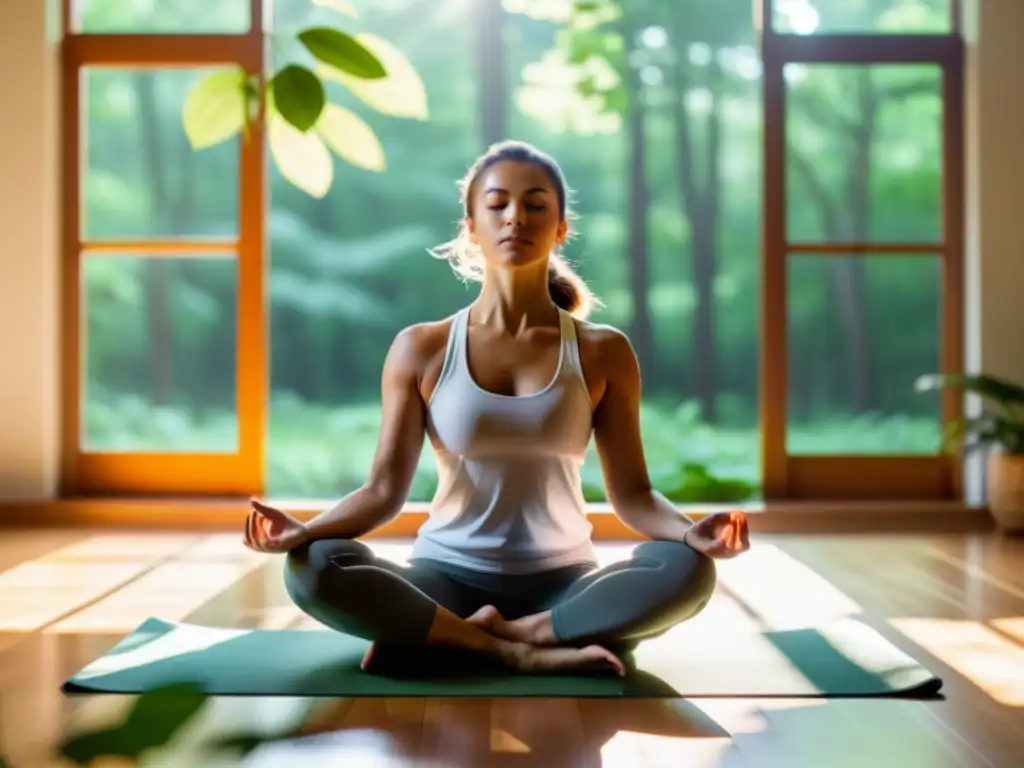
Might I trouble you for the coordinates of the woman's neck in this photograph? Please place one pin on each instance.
(513, 300)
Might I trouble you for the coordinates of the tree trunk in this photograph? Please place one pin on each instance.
(329, 341)
(156, 271)
(848, 219)
(849, 282)
(641, 331)
(492, 80)
(700, 208)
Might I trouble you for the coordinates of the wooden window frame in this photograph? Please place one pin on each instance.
(156, 473)
(862, 477)
(784, 476)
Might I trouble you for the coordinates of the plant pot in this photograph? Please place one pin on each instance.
(1006, 490)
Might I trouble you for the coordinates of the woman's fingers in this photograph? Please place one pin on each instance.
(271, 513)
(258, 531)
(253, 532)
(249, 540)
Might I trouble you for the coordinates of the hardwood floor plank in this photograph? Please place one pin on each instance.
(39, 592)
(665, 732)
(455, 732)
(21, 546)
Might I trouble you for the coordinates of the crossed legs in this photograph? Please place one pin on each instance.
(565, 618)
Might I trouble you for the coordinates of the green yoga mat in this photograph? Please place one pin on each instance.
(846, 658)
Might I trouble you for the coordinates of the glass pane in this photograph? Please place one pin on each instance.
(864, 153)
(343, 285)
(161, 16)
(861, 331)
(141, 178)
(159, 354)
(806, 17)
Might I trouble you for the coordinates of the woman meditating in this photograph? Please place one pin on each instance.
(509, 391)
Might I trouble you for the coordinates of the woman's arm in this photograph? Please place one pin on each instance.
(399, 445)
(620, 446)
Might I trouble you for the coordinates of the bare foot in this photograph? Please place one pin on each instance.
(367, 664)
(489, 620)
(532, 630)
(528, 658)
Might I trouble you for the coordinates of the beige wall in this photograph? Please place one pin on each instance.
(29, 447)
(28, 251)
(995, 197)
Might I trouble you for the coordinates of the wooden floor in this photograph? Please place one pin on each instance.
(956, 603)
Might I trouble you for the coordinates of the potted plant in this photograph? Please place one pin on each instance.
(1001, 427)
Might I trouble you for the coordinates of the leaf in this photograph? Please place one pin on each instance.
(617, 99)
(152, 722)
(342, 51)
(400, 94)
(1004, 392)
(84, 748)
(341, 6)
(239, 744)
(351, 138)
(298, 96)
(161, 713)
(302, 158)
(216, 108)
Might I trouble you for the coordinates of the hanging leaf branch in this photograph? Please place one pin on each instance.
(302, 125)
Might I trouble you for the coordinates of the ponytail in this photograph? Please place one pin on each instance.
(568, 290)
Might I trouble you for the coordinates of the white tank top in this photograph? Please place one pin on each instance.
(509, 497)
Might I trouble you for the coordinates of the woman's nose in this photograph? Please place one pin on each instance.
(515, 214)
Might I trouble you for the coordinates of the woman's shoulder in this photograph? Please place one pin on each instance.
(603, 346)
(604, 338)
(421, 343)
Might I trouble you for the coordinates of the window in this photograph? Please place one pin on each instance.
(862, 289)
(162, 290)
(226, 331)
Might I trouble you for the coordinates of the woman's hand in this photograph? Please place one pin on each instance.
(721, 535)
(268, 529)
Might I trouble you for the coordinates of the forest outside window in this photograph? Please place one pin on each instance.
(656, 112)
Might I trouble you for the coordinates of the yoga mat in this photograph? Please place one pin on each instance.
(842, 659)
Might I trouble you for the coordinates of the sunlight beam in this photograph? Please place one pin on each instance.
(991, 662)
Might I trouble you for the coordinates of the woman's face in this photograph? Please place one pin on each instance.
(516, 220)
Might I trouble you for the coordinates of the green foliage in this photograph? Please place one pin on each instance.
(302, 124)
(298, 96)
(151, 723)
(401, 94)
(217, 108)
(323, 452)
(343, 52)
(1002, 425)
(154, 720)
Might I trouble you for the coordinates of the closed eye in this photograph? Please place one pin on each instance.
(529, 207)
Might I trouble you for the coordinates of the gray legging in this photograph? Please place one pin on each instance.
(341, 583)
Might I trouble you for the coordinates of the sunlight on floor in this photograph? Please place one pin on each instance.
(625, 749)
(172, 592)
(784, 592)
(1013, 627)
(988, 660)
(41, 591)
